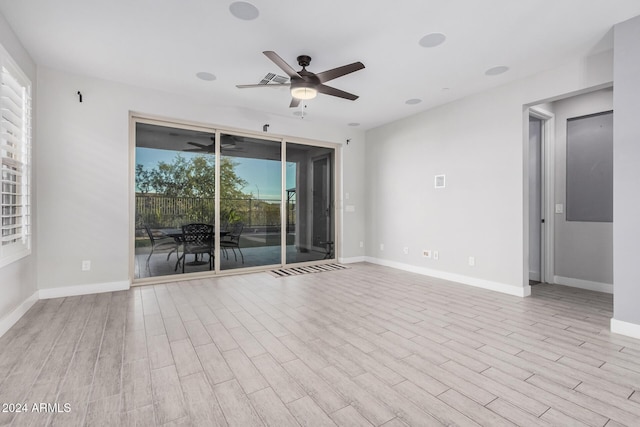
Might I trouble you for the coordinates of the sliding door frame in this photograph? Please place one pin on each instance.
(137, 117)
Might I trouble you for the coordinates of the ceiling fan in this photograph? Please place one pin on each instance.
(305, 84)
(228, 143)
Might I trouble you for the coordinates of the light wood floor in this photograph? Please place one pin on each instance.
(359, 347)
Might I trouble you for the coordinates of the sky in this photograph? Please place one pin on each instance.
(262, 176)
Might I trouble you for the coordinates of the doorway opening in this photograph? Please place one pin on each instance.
(573, 192)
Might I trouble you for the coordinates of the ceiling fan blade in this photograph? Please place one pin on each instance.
(264, 85)
(282, 64)
(197, 144)
(227, 141)
(328, 90)
(334, 73)
(294, 102)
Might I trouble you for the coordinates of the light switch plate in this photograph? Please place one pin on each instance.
(559, 208)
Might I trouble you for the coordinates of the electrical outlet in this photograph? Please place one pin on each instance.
(405, 250)
(86, 265)
(472, 261)
(436, 255)
(362, 244)
(426, 253)
(382, 246)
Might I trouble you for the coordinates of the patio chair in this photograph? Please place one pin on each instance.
(328, 246)
(197, 239)
(232, 240)
(160, 243)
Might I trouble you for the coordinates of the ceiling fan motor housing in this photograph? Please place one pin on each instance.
(304, 60)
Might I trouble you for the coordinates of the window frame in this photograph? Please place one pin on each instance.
(20, 246)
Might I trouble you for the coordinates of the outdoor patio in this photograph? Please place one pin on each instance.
(162, 217)
(253, 256)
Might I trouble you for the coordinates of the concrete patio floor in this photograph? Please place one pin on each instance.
(256, 256)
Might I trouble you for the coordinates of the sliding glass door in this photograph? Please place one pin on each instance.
(310, 203)
(250, 202)
(248, 206)
(174, 186)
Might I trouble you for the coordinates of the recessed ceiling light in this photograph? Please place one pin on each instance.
(413, 101)
(244, 10)
(203, 75)
(497, 70)
(354, 124)
(432, 40)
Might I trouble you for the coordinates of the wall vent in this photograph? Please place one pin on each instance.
(271, 78)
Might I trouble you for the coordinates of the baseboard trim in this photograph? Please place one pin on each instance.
(459, 278)
(351, 260)
(12, 318)
(625, 328)
(534, 275)
(584, 284)
(98, 288)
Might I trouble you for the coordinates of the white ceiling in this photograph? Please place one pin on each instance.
(162, 44)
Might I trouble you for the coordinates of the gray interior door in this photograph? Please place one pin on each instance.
(535, 199)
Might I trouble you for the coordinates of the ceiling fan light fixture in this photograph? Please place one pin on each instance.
(302, 92)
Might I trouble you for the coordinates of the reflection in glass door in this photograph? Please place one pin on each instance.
(250, 202)
(310, 203)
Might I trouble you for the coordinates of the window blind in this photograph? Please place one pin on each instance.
(15, 159)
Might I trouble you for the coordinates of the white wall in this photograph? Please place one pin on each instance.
(583, 250)
(353, 186)
(83, 178)
(18, 280)
(479, 142)
(626, 178)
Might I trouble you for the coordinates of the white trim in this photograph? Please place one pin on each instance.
(625, 328)
(534, 275)
(12, 318)
(351, 260)
(524, 291)
(584, 284)
(69, 291)
(18, 255)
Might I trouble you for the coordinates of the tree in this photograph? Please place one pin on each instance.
(194, 178)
